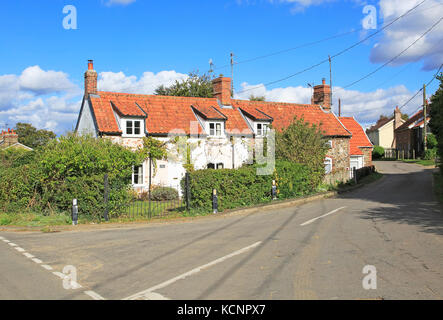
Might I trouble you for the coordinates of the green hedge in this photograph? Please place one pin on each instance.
(378, 152)
(243, 187)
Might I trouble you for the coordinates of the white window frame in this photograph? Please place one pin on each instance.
(218, 127)
(124, 122)
(142, 175)
(329, 144)
(328, 161)
(216, 165)
(264, 128)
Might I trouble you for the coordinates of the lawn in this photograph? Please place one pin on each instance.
(420, 161)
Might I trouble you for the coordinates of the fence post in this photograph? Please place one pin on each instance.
(106, 196)
(188, 191)
(149, 187)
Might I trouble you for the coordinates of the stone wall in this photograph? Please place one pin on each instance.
(339, 153)
(367, 156)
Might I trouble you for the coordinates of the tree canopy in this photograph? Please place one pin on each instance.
(195, 85)
(436, 113)
(31, 137)
(256, 98)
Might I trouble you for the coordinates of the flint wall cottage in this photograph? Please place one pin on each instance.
(222, 130)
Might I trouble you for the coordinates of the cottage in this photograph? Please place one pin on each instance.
(382, 133)
(360, 146)
(410, 135)
(222, 130)
(9, 139)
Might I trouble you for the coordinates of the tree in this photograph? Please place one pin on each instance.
(436, 113)
(302, 143)
(256, 98)
(194, 86)
(404, 116)
(31, 137)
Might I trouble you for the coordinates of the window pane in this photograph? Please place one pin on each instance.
(138, 174)
(259, 129)
(328, 166)
(218, 129)
(136, 127)
(211, 129)
(128, 127)
(220, 166)
(211, 166)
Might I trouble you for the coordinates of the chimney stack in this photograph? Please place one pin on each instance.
(322, 95)
(397, 118)
(9, 138)
(222, 90)
(90, 79)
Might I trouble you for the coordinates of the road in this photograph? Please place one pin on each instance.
(314, 251)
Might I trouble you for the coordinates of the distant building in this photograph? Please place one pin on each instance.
(410, 135)
(382, 133)
(9, 139)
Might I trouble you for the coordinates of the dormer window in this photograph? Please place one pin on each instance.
(215, 129)
(262, 129)
(132, 127)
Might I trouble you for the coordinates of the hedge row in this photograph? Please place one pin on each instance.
(243, 187)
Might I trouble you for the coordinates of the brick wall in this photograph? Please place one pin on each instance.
(367, 156)
(403, 139)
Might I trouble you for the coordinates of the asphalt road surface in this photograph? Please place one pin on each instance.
(390, 231)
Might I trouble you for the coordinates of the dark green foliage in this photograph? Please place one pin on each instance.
(164, 193)
(243, 187)
(67, 168)
(31, 137)
(378, 152)
(430, 154)
(303, 143)
(436, 113)
(431, 141)
(365, 171)
(194, 86)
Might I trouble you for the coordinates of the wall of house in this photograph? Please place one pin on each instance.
(403, 138)
(339, 153)
(386, 135)
(367, 156)
(85, 121)
(373, 137)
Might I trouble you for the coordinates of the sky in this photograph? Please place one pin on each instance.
(138, 45)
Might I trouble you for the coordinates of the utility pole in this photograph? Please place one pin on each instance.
(232, 75)
(425, 140)
(330, 80)
(339, 107)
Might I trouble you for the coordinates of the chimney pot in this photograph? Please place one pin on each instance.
(90, 65)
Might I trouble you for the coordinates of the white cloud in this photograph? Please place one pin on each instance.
(36, 80)
(366, 107)
(149, 81)
(405, 31)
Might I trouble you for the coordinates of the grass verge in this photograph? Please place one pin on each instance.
(420, 161)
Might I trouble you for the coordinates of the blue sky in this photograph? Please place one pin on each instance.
(137, 45)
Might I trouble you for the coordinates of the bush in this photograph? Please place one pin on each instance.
(431, 141)
(430, 154)
(243, 187)
(67, 168)
(164, 193)
(378, 152)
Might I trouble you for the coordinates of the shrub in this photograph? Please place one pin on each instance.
(66, 168)
(378, 152)
(242, 187)
(164, 193)
(431, 141)
(430, 154)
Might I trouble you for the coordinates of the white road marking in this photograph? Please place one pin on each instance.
(12, 244)
(153, 296)
(1, 238)
(59, 274)
(19, 249)
(322, 216)
(28, 255)
(94, 295)
(46, 267)
(6, 240)
(149, 291)
(37, 260)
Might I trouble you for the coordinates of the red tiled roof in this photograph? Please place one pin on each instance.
(359, 138)
(416, 120)
(283, 114)
(166, 113)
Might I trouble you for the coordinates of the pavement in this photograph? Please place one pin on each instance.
(381, 241)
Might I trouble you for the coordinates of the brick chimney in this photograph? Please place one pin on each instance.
(9, 138)
(397, 118)
(322, 95)
(90, 79)
(222, 90)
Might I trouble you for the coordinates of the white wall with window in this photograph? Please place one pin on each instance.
(132, 127)
(261, 129)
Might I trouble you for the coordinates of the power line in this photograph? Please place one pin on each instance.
(421, 89)
(395, 57)
(308, 44)
(337, 54)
